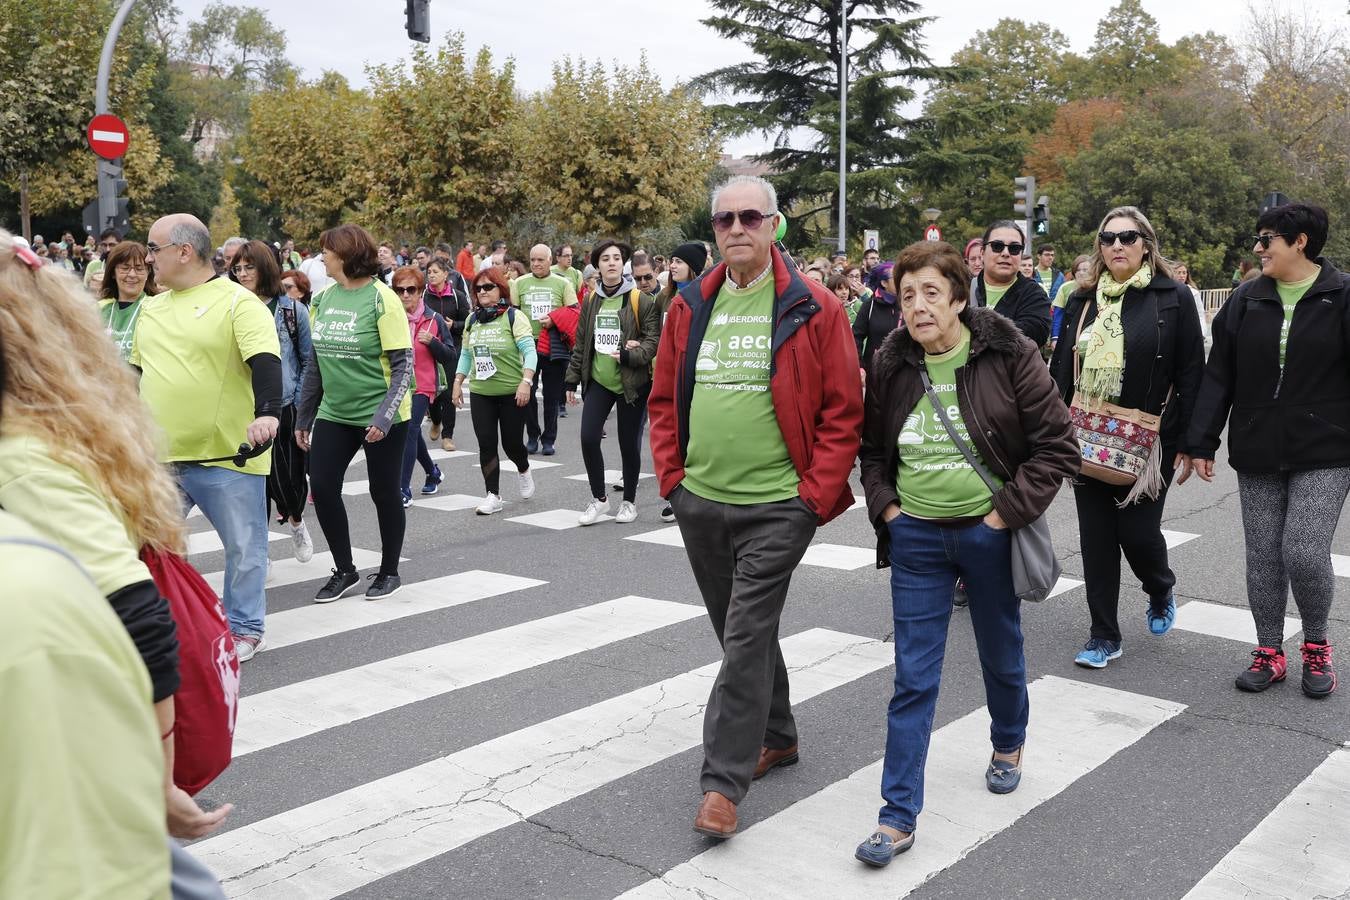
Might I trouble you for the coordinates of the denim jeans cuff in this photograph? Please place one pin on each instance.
(896, 824)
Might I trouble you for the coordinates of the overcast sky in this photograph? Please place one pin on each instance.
(345, 34)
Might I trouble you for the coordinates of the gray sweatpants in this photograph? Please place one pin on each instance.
(1288, 519)
(743, 558)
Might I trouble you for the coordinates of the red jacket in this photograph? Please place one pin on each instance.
(813, 379)
(464, 264)
(565, 319)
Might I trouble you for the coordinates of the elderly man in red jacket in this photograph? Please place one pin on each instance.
(756, 413)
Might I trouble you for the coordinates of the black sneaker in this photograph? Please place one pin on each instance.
(959, 597)
(1268, 666)
(667, 513)
(382, 586)
(1319, 678)
(339, 584)
(532, 445)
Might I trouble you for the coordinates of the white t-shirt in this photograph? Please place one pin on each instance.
(316, 273)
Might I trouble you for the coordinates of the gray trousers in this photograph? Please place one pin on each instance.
(743, 558)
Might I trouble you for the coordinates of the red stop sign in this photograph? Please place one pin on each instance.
(108, 136)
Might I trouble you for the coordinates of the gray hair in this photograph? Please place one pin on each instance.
(196, 236)
(769, 193)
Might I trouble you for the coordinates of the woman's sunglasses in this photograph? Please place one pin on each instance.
(407, 290)
(484, 288)
(1265, 239)
(999, 246)
(1126, 238)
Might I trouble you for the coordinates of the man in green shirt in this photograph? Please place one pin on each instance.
(564, 267)
(756, 411)
(539, 292)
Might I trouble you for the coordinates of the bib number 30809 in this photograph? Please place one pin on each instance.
(607, 333)
(483, 365)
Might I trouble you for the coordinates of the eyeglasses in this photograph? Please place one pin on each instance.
(1265, 239)
(999, 246)
(484, 288)
(154, 248)
(129, 268)
(1126, 238)
(244, 268)
(750, 219)
(644, 277)
(407, 290)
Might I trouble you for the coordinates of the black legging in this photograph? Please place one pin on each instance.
(491, 414)
(598, 402)
(332, 448)
(442, 413)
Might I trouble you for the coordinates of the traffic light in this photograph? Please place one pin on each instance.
(1041, 220)
(113, 207)
(1024, 195)
(419, 21)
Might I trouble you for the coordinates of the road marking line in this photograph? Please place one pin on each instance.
(1340, 564)
(1177, 538)
(353, 838)
(436, 455)
(308, 707)
(445, 502)
(209, 541)
(810, 844)
(291, 571)
(612, 476)
(1299, 850)
(554, 519)
(1230, 622)
(1063, 586)
(827, 556)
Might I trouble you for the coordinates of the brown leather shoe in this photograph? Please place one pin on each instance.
(772, 759)
(716, 816)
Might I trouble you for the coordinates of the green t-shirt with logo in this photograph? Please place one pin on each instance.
(571, 274)
(851, 308)
(736, 451)
(934, 480)
(1290, 293)
(120, 322)
(492, 362)
(608, 339)
(994, 294)
(1046, 279)
(353, 330)
(1065, 292)
(540, 296)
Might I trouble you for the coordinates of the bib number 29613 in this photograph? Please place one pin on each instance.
(483, 365)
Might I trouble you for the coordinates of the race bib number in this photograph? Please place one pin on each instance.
(607, 333)
(483, 365)
(540, 308)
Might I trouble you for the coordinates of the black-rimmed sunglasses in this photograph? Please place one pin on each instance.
(750, 219)
(484, 288)
(999, 246)
(1265, 239)
(1126, 238)
(407, 289)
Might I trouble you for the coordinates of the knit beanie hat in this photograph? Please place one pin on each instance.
(694, 254)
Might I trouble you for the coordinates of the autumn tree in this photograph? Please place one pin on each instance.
(610, 153)
(1075, 125)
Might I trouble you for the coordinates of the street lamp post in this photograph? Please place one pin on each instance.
(843, 107)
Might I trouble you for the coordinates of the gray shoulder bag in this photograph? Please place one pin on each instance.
(1034, 567)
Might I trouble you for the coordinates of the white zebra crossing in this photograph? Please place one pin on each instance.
(807, 849)
(353, 838)
(292, 571)
(308, 707)
(828, 556)
(210, 542)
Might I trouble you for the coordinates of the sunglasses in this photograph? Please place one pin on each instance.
(407, 290)
(1265, 239)
(645, 278)
(999, 246)
(1126, 238)
(750, 219)
(484, 288)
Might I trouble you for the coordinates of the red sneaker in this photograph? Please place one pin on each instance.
(1268, 666)
(1319, 678)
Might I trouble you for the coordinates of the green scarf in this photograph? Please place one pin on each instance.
(1104, 351)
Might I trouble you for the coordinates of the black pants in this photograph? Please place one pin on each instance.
(1105, 531)
(491, 415)
(287, 486)
(743, 558)
(551, 372)
(442, 413)
(332, 448)
(599, 400)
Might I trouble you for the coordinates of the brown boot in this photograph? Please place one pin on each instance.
(716, 816)
(772, 759)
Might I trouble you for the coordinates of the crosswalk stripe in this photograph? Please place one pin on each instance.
(292, 571)
(1177, 538)
(827, 556)
(437, 455)
(353, 838)
(307, 707)
(1063, 586)
(1230, 622)
(1340, 565)
(309, 623)
(1299, 850)
(612, 476)
(209, 541)
(810, 844)
(554, 519)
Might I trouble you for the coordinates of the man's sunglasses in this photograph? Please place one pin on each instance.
(750, 219)
(408, 289)
(1265, 239)
(484, 288)
(644, 278)
(1126, 238)
(999, 246)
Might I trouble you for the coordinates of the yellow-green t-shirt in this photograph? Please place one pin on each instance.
(933, 479)
(352, 331)
(120, 321)
(736, 451)
(1290, 293)
(1045, 278)
(1065, 292)
(992, 294)
(493, 361)
(540, 296)
(68, 508)
(82, 784)
(191, 348)
(571, 274)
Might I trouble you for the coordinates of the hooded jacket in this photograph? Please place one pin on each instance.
(1025, 303)
(634, 364)
(1298, 419)
(813, 381)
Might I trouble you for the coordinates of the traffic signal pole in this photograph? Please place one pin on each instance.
(109, 171)
(843, 119)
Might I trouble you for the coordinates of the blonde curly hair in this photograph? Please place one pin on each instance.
(65, 384)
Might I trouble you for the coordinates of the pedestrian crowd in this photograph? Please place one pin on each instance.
(138, 381)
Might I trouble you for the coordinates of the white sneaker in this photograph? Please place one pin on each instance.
(526, 484)
(268, 579)
(304, 545)
(627, 513)
(247, 646)
(491, 504)
(594, 510)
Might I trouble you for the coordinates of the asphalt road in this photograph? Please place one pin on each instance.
(552, 748)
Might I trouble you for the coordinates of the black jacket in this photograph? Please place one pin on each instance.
(454, 308)
(876, 319)
(1298, 420)
(1164, 351)
(1026, 303)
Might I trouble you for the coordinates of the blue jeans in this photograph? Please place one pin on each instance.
(235, 503)
(926, 560)
(415, 450)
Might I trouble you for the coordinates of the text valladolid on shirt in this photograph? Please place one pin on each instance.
(736, 450)
(934, 480)
(191, 348)
(352, 330)
(540, 296)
